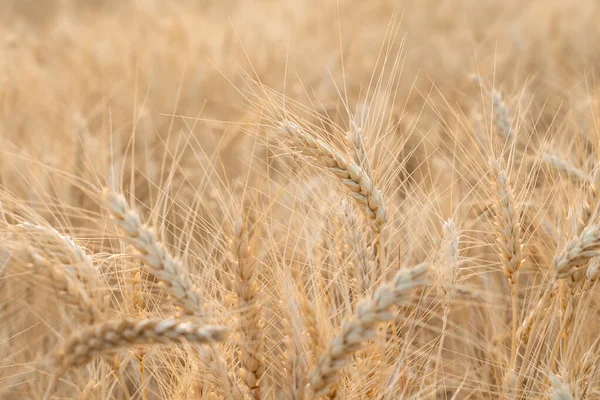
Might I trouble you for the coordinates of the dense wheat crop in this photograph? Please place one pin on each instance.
(260, 199)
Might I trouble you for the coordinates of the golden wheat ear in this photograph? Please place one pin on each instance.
(352, 176)
(157, 260)
(112, 335)
(250, 309)
(105, 338)
(362, 326)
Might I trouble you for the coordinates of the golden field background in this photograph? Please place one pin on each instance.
(479, 125)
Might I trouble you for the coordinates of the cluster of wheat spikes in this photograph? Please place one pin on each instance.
(250, 200)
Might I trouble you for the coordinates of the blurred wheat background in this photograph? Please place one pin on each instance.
(259, 199)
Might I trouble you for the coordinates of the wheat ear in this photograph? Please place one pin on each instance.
(250, 309)
(362, 326)
(222, 381)
(577, 252)
(564, 167)
(351, 175)
(363, 262)
(448, 266)
(296, 352)
(359, 184)
(356, 140)
(73, 258)
(106, 337)
(501, 114)
(508, 241)
(158, 261)
(559, 390)
(573, 257)
(70, 289)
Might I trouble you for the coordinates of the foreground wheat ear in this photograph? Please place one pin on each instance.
(362, 326)
(352, 176)
(109, 336)
(158, 262)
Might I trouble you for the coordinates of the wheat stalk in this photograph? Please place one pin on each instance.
(362, 326)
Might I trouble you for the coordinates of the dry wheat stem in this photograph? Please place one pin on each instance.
(362, 326)
(158, 261)
(250, 309)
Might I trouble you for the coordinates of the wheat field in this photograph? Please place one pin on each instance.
(260, 199)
